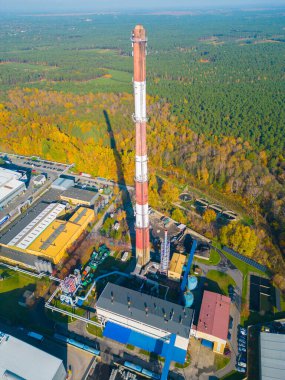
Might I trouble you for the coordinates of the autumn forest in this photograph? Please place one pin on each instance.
(215, 102)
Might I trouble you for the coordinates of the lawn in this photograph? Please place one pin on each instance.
(220, 361)
(215, 258)
(244, 268)
(219, 282)
(94, 330)
(11, 289)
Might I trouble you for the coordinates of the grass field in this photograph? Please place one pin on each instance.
(219, 282)
(220, 361)
(94, 330)
(11, 289)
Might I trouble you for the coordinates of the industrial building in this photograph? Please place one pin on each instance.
(79, 196)
(27, 235)
(132, 317)
(213, 323)
(48, 237)
(272, 356)
(62, 184)
(60, 235)
(21, 361)
(176, 266)
(10, 186)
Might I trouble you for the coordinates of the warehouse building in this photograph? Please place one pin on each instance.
(60, 235)
(21, 361)
(62, 184)
(78, 196)
(132, 317)
(10, 186)
(176, 266)
(272, 356)
(28, 234)
(213, 323)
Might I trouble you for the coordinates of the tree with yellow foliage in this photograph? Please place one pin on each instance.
(209, 216)
(239, 237)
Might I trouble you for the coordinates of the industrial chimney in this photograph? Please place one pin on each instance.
(139, 42)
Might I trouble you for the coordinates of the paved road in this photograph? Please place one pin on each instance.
(225, 266)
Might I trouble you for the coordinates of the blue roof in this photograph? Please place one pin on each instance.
(125, 335)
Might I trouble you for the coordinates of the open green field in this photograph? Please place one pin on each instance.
(219, 282)
(220, 361)
(11, 289)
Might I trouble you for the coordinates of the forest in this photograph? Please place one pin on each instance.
(215, 102)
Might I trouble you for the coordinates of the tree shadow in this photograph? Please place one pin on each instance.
(126, 198)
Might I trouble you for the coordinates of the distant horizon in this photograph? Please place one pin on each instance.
(123, 6)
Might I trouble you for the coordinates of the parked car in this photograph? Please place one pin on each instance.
(231, 323)
(241, 349)
(240, 369)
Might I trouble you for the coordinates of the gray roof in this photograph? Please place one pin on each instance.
(80, 194)
(62, 183)
(20, 257)
(28, 362)
(161, 314)
(272, 356)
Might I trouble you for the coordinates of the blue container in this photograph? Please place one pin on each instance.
(91, 350)
(150, 374)
(192, 282)
(135, 367)
(188, 299)
(75, 343)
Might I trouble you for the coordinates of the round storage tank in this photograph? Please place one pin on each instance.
(192, 282)
(188, 299)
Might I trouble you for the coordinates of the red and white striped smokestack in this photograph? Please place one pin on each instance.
(139, 41)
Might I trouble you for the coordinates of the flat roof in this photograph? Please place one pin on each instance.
(272, 356)
(37, 226)
(7, 175)
(26, 361)
(59, 234)
(24, 219)
(63, 183)
(177, 262)
(79, 194)
(214, 315)
(10, 187)
(161, 314)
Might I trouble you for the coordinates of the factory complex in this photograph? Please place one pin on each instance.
(131, 317)
(21, 361)
(10, 186)
(49, 237)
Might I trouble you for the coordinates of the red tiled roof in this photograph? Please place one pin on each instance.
(214, 315)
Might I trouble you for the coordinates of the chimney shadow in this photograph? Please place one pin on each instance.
(126, 198)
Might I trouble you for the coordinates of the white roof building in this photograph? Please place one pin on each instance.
(272, 356)
(21, 361)
(10, 186)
